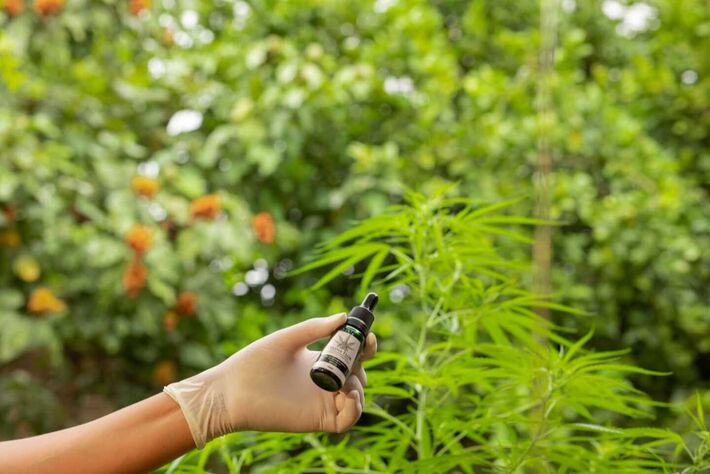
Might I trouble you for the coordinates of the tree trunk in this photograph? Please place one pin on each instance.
(542, 245)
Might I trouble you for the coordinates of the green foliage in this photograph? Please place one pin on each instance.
(319, 113)
(475, 380)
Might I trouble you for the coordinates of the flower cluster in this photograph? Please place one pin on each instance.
(140, 239)
(42, 301)
(137, 6)
(264, 227)
(208, 207)
(144, 186)
(185, 306)
(47, 7)
(135, 276)
(164, 372)
(186, 303)
(13, 7)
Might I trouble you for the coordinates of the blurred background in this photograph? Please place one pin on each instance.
(165, 164)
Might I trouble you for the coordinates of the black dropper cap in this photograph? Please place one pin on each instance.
(361, 317)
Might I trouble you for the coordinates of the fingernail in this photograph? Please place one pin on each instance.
(336, 317)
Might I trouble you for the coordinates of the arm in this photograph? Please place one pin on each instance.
(137, 438)
(264, 387)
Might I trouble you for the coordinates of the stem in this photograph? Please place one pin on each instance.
(420, 355)
(538, 434)
(345, 470)
(327, 460)
(422, 451)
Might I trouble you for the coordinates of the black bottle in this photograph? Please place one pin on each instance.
(335, 362)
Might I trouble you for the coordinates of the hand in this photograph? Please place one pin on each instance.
(267, 387)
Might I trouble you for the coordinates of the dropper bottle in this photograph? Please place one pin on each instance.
(336, 361)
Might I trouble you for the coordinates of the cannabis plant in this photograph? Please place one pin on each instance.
(472, 379)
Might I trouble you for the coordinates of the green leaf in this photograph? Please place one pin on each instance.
(598, 428)
(10, 299)
(577, 346)
(190, 183)
(372, 269)
(196, 356)
(210, 152)
(340, 268)
(162, 290)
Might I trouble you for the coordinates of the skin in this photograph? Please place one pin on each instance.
(137, 438)
(147, 434)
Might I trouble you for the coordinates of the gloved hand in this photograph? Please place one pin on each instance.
(266, 386)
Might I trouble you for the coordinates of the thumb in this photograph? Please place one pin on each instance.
(309, 331)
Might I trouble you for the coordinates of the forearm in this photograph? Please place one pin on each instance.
(135, 439)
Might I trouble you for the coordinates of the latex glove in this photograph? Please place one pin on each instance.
(266, 386)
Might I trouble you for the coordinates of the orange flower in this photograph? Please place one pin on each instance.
(140, 238)
(134, 277)
(138, 6)
(9, 238)
(186, 303)
(47, 7)
(170, 320)
(42, 301)
(264, 228)
(10, 210)
(13, 7)
(144, 186)
(164, 372)
(208, 206)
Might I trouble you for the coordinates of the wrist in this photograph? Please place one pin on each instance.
(203, 405)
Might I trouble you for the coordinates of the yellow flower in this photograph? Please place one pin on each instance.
(144, 186)
(42, 301)
(26, 268)
(164, 372)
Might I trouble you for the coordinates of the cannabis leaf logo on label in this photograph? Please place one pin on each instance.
(343, 345)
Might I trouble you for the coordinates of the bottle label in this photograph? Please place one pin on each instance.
(339, 355)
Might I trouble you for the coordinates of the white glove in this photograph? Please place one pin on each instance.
(266, 386)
